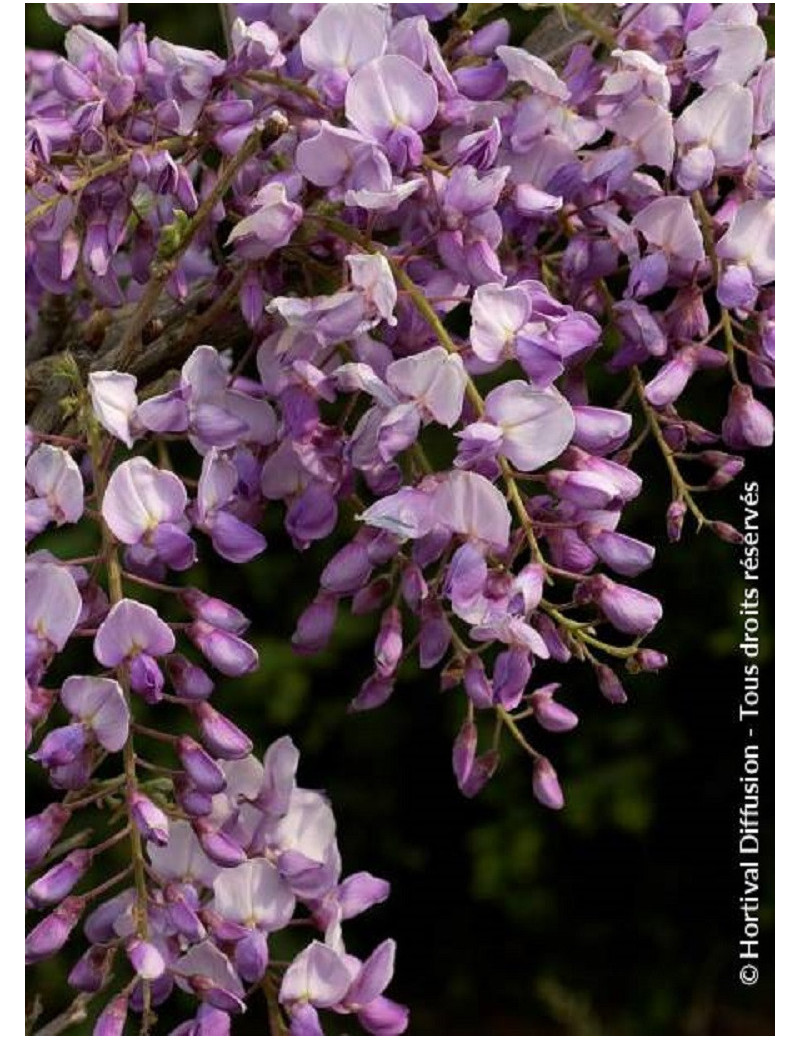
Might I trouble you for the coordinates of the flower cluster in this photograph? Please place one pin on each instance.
(453, 289)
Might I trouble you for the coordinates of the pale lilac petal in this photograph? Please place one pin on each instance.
(722, 120)
(318, 975)
(52, 603)
(344, 36)
(669, 223)
(372, 274)
(255, 895)
(750, 239)
(536, 425)
(99, 704)
(434, 379)
(114, 402)
(54, 476)
(390, 92)
(471, 505)
(139, 497)
(497, 316)
(407, 513)
(130, 628)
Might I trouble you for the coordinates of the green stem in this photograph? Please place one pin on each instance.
(115, 594)
(679, 485)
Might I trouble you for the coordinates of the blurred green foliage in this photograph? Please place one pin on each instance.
(617, 916)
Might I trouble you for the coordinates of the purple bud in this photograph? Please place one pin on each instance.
(647, 661)
(375, 691)
(371, 597)
(610, 686)
(512, 669)
(189, 681)
(203, 771)
(546, 788)
(111, 1021)
(315, 625)
(182, 916)
(214, 611)
(483, 769)
(52, 932)
(60, 880)
(219, 848)
(629, 610)
(251, 956)
(676, 513)
(251, 296)
(413, 586)
(549, 713)
(726, 532)
(150, 821)
(464, 748)
(146, 678)
(222, 738)
(726, 467)
(347, 570)
(748, 422)
(434, 636)
(215, 995)
(145, 959)
(41, 831)
(389, 643)
(228, 653)
(477, 686)
(61, 746)
(193, 801)
(90, 972)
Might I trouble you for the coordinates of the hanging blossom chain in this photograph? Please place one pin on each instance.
(452, 291)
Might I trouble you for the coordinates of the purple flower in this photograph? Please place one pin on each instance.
(254, 894)
(52, 608)
(56, 490)
(269, 226)
(146, 506)
(101, 706)
(391, 100)
(129, 630)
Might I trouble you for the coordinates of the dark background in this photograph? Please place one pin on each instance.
(618, 915)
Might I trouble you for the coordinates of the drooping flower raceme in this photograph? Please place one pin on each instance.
(422, 296)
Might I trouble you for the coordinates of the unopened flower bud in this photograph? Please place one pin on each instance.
(219, 848)
(726, 532)
(389, 643)
(228, 653)
(549, 713)
(204, 772)
(111, 1021)
(150, 821)
(315, 625)
(60, 880)
(189, 681)
(676, 513)
(546, 788)
(214, 611)
(52, 932)
(90, 971)
(222, 738)
(41, 831)
(610, 686)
